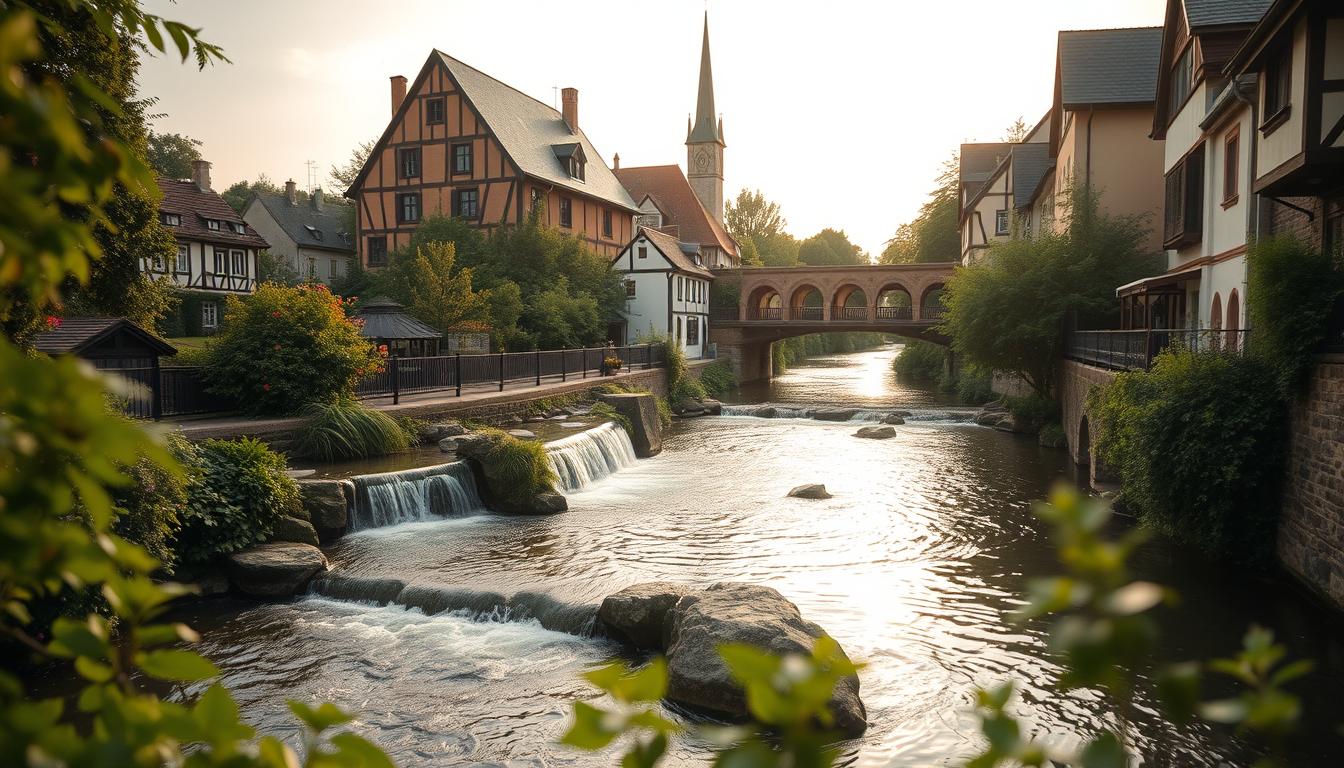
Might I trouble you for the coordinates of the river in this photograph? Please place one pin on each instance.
(913, 566)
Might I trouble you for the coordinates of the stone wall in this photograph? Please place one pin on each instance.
(1311, 520)
(1009, 385)
(1076, 381)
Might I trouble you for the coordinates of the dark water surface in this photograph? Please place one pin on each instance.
(912, 566)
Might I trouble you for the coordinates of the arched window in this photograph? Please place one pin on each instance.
(1233, 323)
(1215, 321)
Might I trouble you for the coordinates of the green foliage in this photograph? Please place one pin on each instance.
(726, 290)
(150, 507)
(348, 430)
(440, 295)
(516, 471)
(830, 247)
(240, 193)
(920, 361)
(171, 154)
(789, 351)
(751, 218)
(1291, 291)
(1031, 412)
(974, 386)
(1051, 435)
(274, 268)
(606, 411)
(718, 378)
(284, 347)
(1007, 314)
(933, 235)
(1199, 444)
(237, 491)
(685, 390)
(343, 176)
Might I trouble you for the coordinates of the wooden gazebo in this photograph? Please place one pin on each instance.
(387, 323)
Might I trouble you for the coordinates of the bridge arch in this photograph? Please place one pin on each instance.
(893, 302)
(849, 302)
(765, 303)
(931, 302)
(806, 302)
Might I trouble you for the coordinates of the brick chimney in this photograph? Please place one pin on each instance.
(398, 92)
(291, 192)
(315, 199)
(616, 161)
(200, 174)
(569, 108)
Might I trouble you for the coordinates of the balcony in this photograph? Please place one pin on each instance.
(1136, 350)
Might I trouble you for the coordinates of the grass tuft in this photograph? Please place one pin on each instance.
(348, 430)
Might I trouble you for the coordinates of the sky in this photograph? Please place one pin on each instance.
(841, 111)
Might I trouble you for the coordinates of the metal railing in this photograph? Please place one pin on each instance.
(765, 313)
(1135, 350)
(849, 313)
(806, 313)
(817, 314)
(723, 314)
(895, 313)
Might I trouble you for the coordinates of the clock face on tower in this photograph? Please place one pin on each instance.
(702, 161)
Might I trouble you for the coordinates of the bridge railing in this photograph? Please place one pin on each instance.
(849, 313)
(765, 313)
(895, 313)
(1135, 350)
(806, 313)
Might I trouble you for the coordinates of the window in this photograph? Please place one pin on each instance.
(209, 314)
(466, 203)
(1001, 222)
(377, 251)
(1231, 168)
(462, 161)
(409, 162)
(1180, 81)
(221, 261)
(237, 227)
(313, 232)
(1183, 217)
(606, 223)
(334, 268)
(535, 197)
(629, 289)
(312, 266)
(575, 165)
(566, 213)
(239, 263)
(156, 264)
(643, 251)
(678, 330)
(408, 208)
(434, 111)
(183, 265)
(681, 283)
(171, 219)
(212, 224)
(692, 330)
(1278, 88)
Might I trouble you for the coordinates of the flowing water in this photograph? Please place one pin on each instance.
(459, 640)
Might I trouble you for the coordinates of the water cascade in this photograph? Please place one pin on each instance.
(428, 493)
(590, 456)
(835, 413)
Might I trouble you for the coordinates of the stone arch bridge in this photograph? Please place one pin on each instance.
(776, 303)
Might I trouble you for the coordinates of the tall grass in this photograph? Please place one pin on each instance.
(516, 471)
(348, 430)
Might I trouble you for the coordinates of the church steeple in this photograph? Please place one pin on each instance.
(704, 140)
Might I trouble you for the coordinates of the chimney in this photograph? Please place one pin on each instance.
(398, 92)
(315, 199)
(616, 161)
(200, 174)
(291, 192)
(569, 107)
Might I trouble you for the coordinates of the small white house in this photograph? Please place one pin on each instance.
(666, 290)
(312, 236)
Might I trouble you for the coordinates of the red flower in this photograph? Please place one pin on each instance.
(276, 313)
(53, 322)
(266, 387)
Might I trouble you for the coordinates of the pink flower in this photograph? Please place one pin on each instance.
(53, 322)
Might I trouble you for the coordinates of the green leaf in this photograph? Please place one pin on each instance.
(749, 664)
(360, 752)
(93, 671)
(1105, 751)
(590, 730)
(176, 665)
(325, 715)
(1291, 672)
(1178, 691)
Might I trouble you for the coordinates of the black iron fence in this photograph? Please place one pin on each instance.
(1136, 350)
(182, 391)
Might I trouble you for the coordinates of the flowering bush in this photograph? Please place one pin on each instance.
(613, 363)
(285, 347)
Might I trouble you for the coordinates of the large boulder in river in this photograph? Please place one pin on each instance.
(636, 614)
(295, 530)
(810, 491)
(834, 414)
(276, 569)
(325, 504)
(876, 433)
(641, 408)
(752, 615)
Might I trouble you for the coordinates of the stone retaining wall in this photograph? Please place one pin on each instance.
(1076, 381)
(1311, 519)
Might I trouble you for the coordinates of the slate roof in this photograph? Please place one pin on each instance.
(978, 161)
(1109, 66)
(529, 130)
(670, 247)
(77, 334)
(328, 231)
(386, 319)
(673, 195)
(1030, 164)
(187, 200)
(1214, 13)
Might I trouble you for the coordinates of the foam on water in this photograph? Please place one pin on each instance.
(427, 493)
(587, 457)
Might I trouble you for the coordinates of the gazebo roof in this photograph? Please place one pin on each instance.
(386, 319)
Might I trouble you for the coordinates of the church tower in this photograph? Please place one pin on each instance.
(704, 141)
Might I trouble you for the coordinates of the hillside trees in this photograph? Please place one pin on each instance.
(171, 154)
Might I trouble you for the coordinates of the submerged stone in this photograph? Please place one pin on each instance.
(275, 569)
(810, 491)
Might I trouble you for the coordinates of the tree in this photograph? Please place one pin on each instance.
(830, 247)
(746, 248)
(343, 176)
(752, 216)
(1007, 313)
(441, 297)
(933, 235)
(273, 268)
(240, 193)
(1017, 132)
(171, 154)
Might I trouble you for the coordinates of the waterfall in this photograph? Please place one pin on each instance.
(590, 456)
(428, 493)
(850, 414)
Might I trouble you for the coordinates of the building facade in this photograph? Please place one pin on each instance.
(461, 143)
(666, 291)
(216, 250)
(313, 237)
(667, 202)
(995, 205)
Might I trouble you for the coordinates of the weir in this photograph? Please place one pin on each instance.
(587, 457)
(833, 413)
(427, 493)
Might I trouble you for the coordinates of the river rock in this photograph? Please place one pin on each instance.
(547, 504)
(712, 407)
(324, 502)
(759, 616)
(641, 408)
(523, 434)
(810, 491)
(299, 473)
(834, 414)
(450, 444)
(764, 412)
(274, 569)
(295, 530)
(876, 433)
(893, 418)
(537, 419)
(436, 432)
(636, 614)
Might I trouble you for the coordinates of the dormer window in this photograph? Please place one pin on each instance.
(572, 158)
(212, 224)
(237, 227)
(171, 219)
(313, 232)
(576, 168)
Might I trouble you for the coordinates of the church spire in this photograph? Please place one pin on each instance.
(707, 125)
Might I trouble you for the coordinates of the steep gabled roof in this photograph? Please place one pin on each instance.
(670, 247)
(1099, 67)
(311, 228)
(1215, 13)
(667, 186)
(77, 334)
(187, 200)
(1030, 164)
(529, 130)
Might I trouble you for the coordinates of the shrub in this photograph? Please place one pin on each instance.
(282, 348)
(1031, 412)
(717, 378)
(239, 491)
(975, 387)
(920, 361)
(606, 411)
(1291, 290)
(150, 507)
(686, 389)
(1052, 435)
(1199, 444)
(516, 471)
(348, 430)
